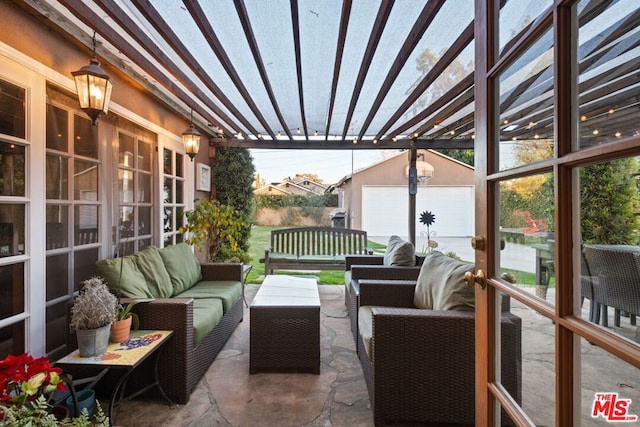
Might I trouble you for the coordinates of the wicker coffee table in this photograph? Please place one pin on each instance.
(285, 325)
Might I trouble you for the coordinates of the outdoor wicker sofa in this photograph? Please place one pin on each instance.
(419, 364)
(202, 304)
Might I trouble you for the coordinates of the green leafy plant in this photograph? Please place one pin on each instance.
(219, 227)
(39, 413)
(124, 311)
(94, 307)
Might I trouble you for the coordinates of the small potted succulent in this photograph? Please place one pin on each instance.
(93, 312)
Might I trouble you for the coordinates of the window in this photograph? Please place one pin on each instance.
(72, 210)
(134, 192)
(173, 197)
(13, 203)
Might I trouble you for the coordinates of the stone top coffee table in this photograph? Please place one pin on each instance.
(285, 325)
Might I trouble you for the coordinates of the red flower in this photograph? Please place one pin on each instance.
(23, 378)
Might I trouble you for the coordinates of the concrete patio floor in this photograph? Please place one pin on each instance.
(229, 396)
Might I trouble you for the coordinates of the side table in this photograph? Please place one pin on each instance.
(125, 357)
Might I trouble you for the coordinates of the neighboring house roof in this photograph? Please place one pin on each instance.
(286, 187)
(271, 189)
(309, 183)
(292, 186)
(347, 178)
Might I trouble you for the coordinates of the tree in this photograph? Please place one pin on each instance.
(609, 203)
(233, 176)
(464, 156)
(308, 176)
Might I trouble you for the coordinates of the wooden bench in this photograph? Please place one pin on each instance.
(313, 248)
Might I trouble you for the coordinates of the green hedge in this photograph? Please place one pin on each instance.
(296, 200)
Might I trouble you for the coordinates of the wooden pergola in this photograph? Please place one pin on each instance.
(343, 74)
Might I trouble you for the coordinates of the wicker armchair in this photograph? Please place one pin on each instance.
(617, 268)
(421, 367)
(370, 267)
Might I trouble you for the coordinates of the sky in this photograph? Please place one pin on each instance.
(328, 165)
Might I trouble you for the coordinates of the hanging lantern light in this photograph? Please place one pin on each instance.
(191, 139)
(94, 87)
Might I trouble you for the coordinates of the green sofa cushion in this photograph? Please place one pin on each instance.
(150, 264)
(182, 265)
(399, 252)
(207, 312)
(133, 283)
(340, 259)
(317, 259)
(228, 291)
(282, 257)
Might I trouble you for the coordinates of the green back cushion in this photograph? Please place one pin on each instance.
(441, 284)
(399, 252)
(182, 265)
(152, 268)
(133, 283)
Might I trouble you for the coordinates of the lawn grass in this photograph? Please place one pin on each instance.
(261, 239)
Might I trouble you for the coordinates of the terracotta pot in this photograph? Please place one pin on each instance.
(120, 330)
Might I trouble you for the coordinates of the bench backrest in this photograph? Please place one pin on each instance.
(319, 241)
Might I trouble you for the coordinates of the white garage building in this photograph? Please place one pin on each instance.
(376, 198)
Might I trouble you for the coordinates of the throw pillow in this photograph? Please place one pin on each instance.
(441, 284)
(399, 252)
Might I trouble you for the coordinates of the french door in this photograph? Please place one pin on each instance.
(557, 146)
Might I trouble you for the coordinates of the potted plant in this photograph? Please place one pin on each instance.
(93, 311)
(125, 321)
(27, 386)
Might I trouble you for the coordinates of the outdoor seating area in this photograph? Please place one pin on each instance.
(151, 150)
(230, 395)
(201, 304)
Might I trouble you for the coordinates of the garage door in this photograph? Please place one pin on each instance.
(385, 210)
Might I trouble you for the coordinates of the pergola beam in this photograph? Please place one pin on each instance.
(387, 144)
(210, 36)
